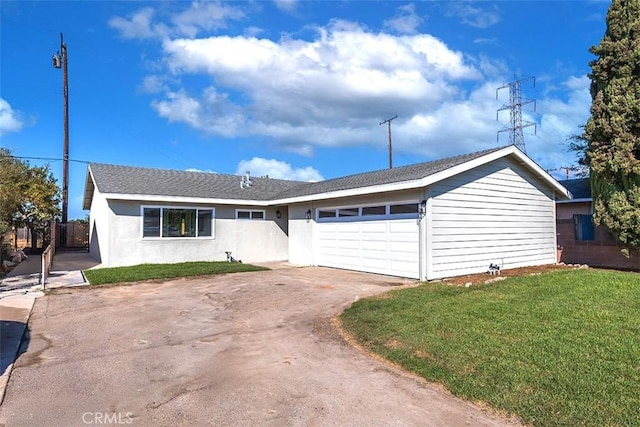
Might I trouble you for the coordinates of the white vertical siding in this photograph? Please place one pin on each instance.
(497, 213)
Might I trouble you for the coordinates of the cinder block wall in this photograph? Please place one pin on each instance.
(604, 251)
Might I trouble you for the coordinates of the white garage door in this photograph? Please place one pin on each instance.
(384, 246)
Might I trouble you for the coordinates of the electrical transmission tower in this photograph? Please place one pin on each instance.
(515, 104)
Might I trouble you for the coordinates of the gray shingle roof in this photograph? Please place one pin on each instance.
(384, 176)
(580, 188)
(165, 182)
(162, 182)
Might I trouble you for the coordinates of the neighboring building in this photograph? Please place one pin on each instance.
(425, 221)
(579, 240)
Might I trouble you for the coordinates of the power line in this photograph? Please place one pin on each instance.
(54, 159)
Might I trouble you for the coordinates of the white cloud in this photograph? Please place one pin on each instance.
(153, 84)
(329, 91)
(278, 170)
(286, 5)
(199, 17)
(212, 113)
(10, 120)
(205, 17)
(560, 119)
(333, 90)
(199, 170)
(139, 25)
(474, 16)
(406, 20)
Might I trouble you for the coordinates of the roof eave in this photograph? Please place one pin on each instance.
(89, 188)
(582, 200)
(558, 188)
(182, 199)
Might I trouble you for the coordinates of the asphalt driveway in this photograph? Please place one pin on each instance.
(241, 349)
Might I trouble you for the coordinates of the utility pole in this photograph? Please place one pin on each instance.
(388, 122)
(60, 59)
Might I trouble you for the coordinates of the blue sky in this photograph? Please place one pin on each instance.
(290, 89)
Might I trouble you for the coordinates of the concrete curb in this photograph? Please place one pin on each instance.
(18, 293)
(15, 311)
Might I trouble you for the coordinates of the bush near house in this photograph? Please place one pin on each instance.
(139, 273)
(559, 348)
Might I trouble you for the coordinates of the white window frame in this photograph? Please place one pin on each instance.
(251, 214)
(360, 217)
(162, 207)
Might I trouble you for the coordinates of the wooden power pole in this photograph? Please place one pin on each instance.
(60, 60)
(388, 122)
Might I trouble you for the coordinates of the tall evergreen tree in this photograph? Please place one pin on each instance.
(613, 131)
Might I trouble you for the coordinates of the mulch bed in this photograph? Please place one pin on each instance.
(476, 279)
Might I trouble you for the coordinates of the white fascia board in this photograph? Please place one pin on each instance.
(583, 200)
(439, 176)
(384, 188)
(181, 199)
(87, 196)
(361, 191)
(507, 151)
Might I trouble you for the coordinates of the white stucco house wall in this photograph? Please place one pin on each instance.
(426, 221)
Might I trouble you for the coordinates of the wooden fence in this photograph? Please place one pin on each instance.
(72, 235)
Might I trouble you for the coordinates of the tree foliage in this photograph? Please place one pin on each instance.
(10, 168)
(613, 131)
(579, 145)
(29, 195)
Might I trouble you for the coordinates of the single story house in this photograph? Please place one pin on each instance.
(430, 220)
(582, 242)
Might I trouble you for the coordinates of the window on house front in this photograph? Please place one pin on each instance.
(326, 213)
(348, 212)
(249, 214)
(151, 222)
(177, 222)
(374, 210)
(406, 208)
(205, 219)
(369, 212)
(584, 227)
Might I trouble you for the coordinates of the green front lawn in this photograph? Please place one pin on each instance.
(560, 348)
(138, 273)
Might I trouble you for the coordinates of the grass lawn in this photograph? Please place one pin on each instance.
(138, 273)
(560, 348)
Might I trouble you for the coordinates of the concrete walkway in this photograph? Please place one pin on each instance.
(18, 292)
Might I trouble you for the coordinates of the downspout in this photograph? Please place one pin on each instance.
(425, 218)
(555, 226)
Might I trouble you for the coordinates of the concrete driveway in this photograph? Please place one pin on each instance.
(242, 349)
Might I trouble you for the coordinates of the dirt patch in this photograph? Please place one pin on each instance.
(476, 279)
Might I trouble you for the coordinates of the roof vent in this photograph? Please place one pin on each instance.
(246, 181)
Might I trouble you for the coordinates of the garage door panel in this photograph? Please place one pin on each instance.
(379, 246)
(376, 227)
(348, 244)
(348, 227)
(372, 245)
(407, 267)
(374, 263)
(404, 226)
